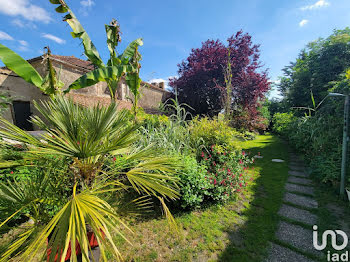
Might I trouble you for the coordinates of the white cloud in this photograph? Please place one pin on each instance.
(86, 6)
(87, 3)
(54, 38)
(5, 36)
(25, 9)
(303, 22)
(19, 23)
(160, 80)
(23, 43)
(318, 4)
(23, 48)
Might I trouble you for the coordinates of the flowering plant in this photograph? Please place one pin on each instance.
(227, 171)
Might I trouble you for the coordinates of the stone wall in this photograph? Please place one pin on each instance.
(19, 90)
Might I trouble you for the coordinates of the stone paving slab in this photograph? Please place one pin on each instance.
(277, 160)
(278, 253)
(296, 167)
(300, 200)
(295, 158)
(300, 189)
(298, 180)
(296, 163)
(298, 173)
(296, 236)
(297, 214)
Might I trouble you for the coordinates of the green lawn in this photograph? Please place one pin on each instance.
(235, 231)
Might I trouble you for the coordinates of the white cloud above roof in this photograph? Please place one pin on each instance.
(160, 80)
(25, 9)
(54, 38)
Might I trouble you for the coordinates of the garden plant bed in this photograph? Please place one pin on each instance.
(238, 230)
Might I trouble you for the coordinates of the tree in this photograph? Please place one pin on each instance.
(318, 65)
(201, 82)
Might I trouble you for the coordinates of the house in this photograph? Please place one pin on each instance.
(70, 68)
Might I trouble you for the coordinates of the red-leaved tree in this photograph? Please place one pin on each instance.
(201, 82)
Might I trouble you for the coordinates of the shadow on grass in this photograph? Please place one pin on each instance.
(250, 242)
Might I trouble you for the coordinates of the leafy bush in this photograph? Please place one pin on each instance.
(282, 122)
(318, 137)
(227, 171)
(205, 132)
(194, 185)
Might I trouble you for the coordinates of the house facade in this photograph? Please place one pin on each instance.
(69, 68)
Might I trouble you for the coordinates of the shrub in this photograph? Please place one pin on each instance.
(318, 138)
(282, 123)
(194, 185)
(205, 132)
(227, 171)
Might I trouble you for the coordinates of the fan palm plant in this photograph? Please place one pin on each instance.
(90, 138)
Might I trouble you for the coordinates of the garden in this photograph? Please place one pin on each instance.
(199, 182)
(102, 177)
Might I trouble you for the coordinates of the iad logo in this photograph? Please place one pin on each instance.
(334, 243)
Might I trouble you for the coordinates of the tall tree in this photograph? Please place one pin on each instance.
(201, 82)
(318, 65)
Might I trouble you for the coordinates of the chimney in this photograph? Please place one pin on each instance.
(161, 85)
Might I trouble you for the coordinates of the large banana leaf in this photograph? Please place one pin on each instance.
(79, 32)
(20, 66)
(98, 75)
(130, 50)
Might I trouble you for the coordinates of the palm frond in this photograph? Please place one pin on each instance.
(68, 228)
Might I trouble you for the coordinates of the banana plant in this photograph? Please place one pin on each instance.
(49, 85)
(118, 66)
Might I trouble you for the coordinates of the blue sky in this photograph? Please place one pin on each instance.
(171, 28)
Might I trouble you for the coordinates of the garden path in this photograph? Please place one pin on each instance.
(294, 234)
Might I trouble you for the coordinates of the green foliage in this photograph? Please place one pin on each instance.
(318, 137)
(205, 132)
(194, 185)
(322, 67)
(317, 66)
(50, 85)
(126, 64)
(85, 139)
(168, 138)
(227, 171)
(282, 123)
(20, 66)
(5, 101)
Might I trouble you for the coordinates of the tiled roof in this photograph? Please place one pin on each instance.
(85, 65)
(74, 61)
